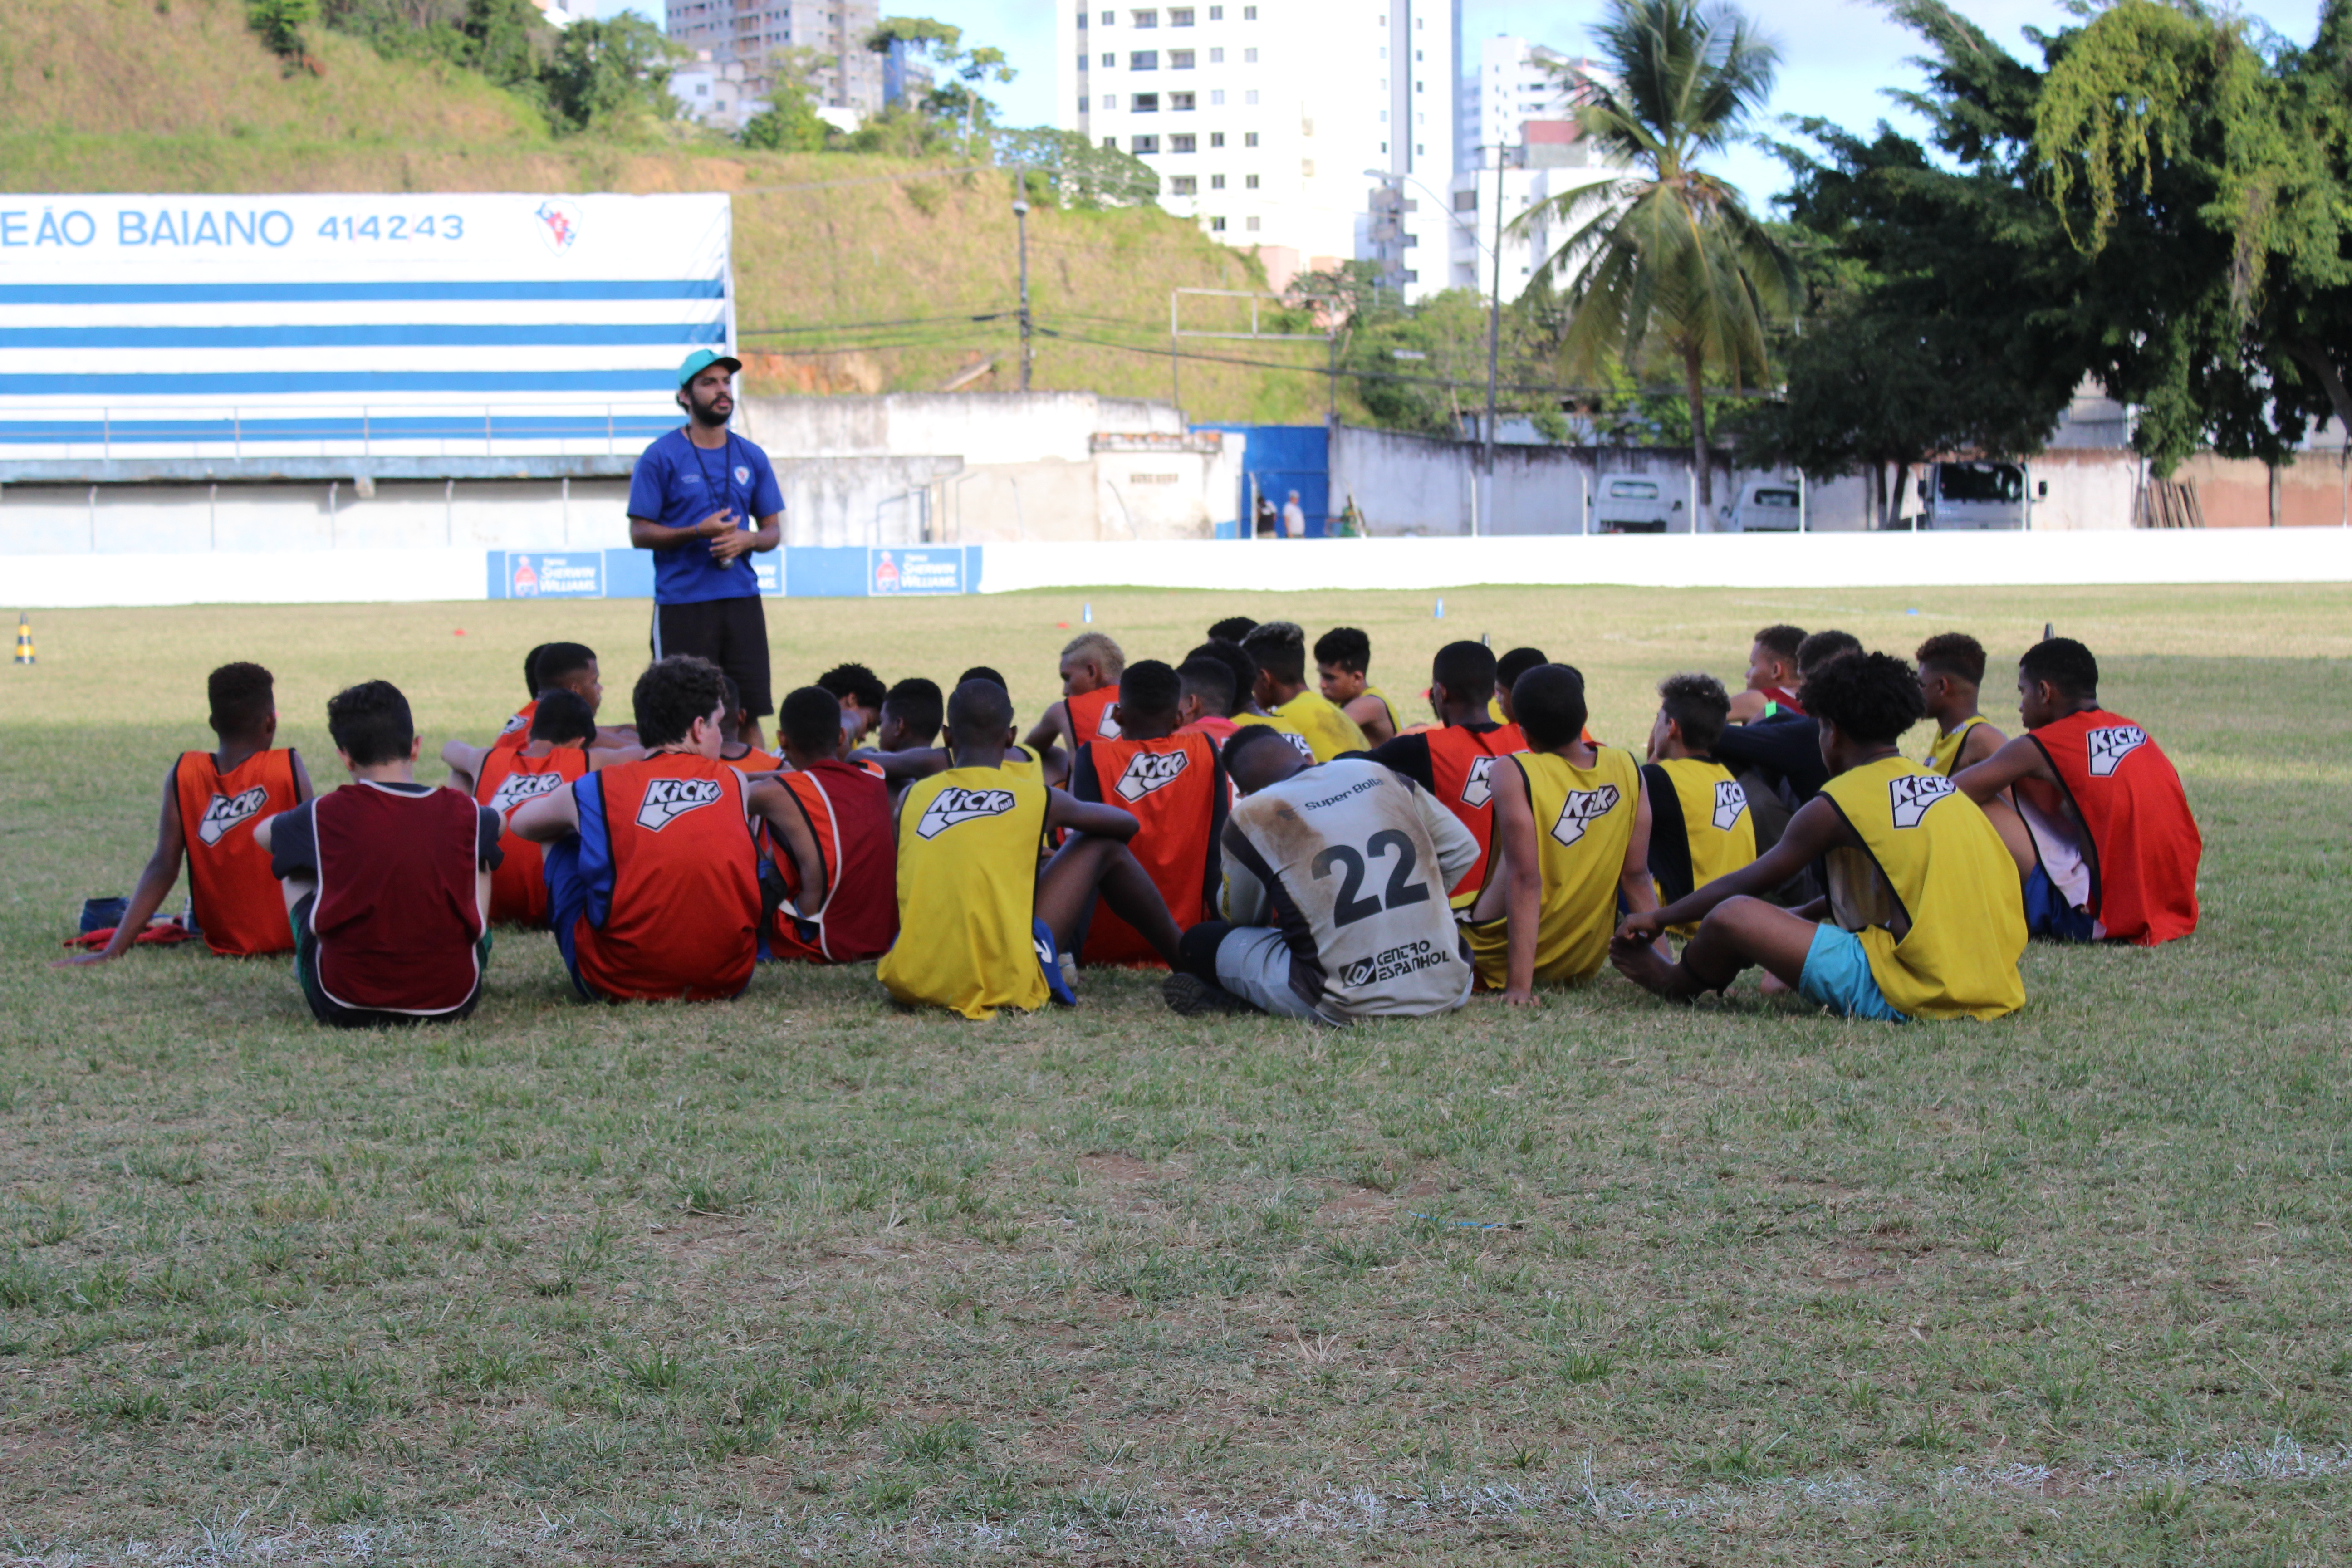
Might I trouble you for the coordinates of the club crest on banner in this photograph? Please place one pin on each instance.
(1584, 807)
(223, 813)
(2110, 746)
(558, 224)
(954, 805)
(1911, 796)
(667, 800)
(1149, 771)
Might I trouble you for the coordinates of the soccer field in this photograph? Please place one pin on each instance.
(1609, 1283)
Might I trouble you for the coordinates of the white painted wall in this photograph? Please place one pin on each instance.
(1749, 560)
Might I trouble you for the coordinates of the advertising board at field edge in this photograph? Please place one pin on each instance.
(909, 570)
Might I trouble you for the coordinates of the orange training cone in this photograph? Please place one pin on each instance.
(25, 639)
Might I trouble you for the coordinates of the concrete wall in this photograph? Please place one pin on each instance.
(981, 426)
(1423, 486)
(1812, 561)
(475, 515)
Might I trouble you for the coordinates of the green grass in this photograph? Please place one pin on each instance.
(803, 1275)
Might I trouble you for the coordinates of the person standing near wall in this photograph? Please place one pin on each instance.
(1294, 518)
(702, 499)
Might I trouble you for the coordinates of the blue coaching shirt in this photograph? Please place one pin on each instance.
(678, 484)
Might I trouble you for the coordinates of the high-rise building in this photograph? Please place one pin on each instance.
(1550, 159)
(1516, 82)
(1314, 131)
(755, 31)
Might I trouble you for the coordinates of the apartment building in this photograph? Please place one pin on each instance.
(1312, 130)
(754, 31)
(1517, 81)
(1549, 158)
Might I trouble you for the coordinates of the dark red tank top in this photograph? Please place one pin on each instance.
(397, 916)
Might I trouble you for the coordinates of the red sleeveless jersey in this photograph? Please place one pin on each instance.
(517, 733)
(848, 813)
(1460, 761)
(1173, 786)
(509, 781)
(2143, 886)
(397, 915)
(238, 903)
(1090, 717)
(683, 917)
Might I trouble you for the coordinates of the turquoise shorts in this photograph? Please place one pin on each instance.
(1837, 975)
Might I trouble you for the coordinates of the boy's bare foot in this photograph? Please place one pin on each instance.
(1640, 963)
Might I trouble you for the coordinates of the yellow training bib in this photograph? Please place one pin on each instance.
(1327, 731)
(968, 844)
(1944, 756)
(1716, 821)
(1584, 821)
(1932, 865)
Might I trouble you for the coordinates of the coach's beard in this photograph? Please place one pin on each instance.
(714, 415)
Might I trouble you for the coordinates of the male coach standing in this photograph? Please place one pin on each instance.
(693, 499)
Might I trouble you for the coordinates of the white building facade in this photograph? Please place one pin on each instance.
(754, 31)
(721, 94)
(1550, 161)
(1278, 125)
(1516, 82)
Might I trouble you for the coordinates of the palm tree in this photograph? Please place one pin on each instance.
(1667, 259)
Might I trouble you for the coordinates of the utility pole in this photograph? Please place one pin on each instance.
(1021, 219)
(1495, 327)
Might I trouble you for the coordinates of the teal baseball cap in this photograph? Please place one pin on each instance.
(701, 360)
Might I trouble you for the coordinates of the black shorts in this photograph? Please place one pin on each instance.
(731, 633)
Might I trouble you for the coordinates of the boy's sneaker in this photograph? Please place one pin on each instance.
(1190, 996)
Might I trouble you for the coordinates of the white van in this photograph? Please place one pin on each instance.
(1765, 506)
(1632, 503)
(1978, 495)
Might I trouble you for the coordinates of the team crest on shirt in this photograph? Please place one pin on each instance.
(1584, 807)
(1912, 793)
(2112, 745)
(1479, 787)
(1149, 771)
(511, 725)
(1731, 800)
(1106, 727)
(517, 788)
(667, 800)
(225, 813)
(953, 805)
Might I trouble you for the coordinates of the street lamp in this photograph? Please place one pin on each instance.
(1495, 300)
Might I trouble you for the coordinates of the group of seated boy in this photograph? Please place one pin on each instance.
(1279, 846)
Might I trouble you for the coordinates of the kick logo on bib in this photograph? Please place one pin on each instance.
(1731, 800)
(950, 807)
(1478, 788)
(1584, 807)
(1149, 771)
(1912, 793)
(667, 800)
(226, 812)
(2110, 746)
(515, 788)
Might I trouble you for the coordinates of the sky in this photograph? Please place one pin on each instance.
(1837, 57)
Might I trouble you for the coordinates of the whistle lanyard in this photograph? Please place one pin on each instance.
(726, 480)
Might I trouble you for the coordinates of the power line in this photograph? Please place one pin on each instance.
(1548, 390)
(863, 326)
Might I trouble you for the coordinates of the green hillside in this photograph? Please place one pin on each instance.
(179, 95)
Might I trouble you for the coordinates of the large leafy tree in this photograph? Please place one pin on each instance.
(1667, 262)
(2200, 167)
